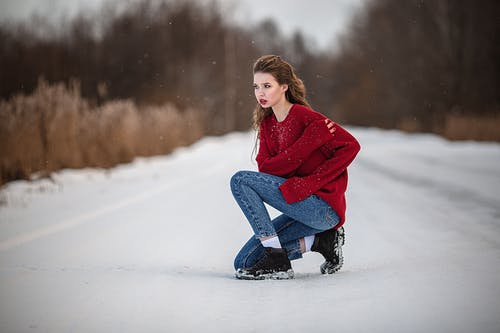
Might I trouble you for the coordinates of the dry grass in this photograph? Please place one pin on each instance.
(55, 128)
(455, 127)
(485, 128)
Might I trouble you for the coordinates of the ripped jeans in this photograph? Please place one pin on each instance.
(305, 218)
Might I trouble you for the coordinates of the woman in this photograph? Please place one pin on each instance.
(302, 160)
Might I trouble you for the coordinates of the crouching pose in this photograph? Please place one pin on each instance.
(302, 160)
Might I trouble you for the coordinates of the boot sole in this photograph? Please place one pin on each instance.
(329, 267)
(242, 274)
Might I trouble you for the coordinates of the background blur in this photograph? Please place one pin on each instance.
(98, 83)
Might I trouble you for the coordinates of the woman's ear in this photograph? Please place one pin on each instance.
(284, 87)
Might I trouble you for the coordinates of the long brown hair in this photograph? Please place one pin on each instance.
(284, 73)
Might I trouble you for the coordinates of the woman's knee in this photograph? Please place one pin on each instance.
(240, 259)
(236, 178)
(238, 262)
(249, 254)
(239, 177)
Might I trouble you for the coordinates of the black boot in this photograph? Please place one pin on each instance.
(273, 265)
(329, 244)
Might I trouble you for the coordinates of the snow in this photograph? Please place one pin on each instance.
(149, 246)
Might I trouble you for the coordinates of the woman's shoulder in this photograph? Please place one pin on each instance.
(307, 113)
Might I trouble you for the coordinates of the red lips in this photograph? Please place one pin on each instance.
(263, 101)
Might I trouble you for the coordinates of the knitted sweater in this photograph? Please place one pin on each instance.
(314, 161)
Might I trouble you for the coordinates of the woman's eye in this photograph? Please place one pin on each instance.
(267, 86)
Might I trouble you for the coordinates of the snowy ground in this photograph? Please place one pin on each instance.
(148, 247)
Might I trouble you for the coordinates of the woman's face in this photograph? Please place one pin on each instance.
(267, 90)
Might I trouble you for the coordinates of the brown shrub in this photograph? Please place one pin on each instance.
(484, 128)
(55, 128)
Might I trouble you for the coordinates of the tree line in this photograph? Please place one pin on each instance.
(400, 62)
(419, 65)
(415, 64)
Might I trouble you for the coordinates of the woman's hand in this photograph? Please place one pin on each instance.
(330, 126)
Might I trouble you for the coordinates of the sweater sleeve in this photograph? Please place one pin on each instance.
(285, 163)
(345, 149)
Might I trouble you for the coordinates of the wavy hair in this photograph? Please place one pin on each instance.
(284, 73)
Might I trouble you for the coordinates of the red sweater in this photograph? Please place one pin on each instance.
(314, 161)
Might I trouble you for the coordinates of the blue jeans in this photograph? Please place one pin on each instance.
(305, 218)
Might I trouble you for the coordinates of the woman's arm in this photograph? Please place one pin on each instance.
(316, 134)
(346, 147)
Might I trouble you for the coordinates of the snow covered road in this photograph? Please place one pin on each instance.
(148, 247)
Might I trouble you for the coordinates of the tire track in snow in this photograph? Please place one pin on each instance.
(75, 221)
(450, 190)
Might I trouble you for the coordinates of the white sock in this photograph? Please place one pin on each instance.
(272, 242)
(308, 242)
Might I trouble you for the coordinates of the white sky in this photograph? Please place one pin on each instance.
(320, 19)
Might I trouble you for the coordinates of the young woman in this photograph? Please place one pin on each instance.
(302, 160)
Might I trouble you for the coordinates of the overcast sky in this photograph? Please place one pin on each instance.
(321, 20)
